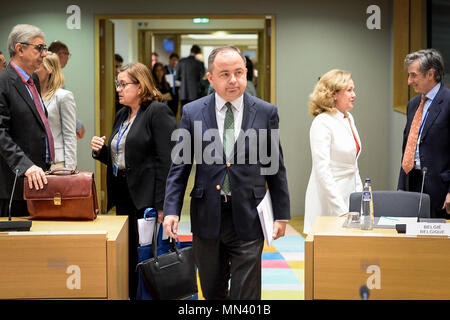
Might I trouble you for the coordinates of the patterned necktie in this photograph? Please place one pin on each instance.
(228, 142)
(408, 156)
(40, 110)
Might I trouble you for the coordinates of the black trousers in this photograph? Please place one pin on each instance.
(229, 257)
(18, 208)
(125, 206)
(414, 183)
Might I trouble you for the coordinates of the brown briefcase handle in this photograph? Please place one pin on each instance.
(62, 171)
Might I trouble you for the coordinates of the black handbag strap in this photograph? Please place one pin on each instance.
(155, 242)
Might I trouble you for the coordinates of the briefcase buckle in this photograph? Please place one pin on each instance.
(57, 199)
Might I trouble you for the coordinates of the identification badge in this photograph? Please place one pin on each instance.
(115, 170)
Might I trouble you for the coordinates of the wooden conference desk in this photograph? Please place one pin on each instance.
(66, 260)
(339, 260)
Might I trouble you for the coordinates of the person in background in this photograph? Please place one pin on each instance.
(118, 61)
(204, 83)
(61, 110)
(2, 62)
(426, 138)
(26, 140)
(155, 58)
(161, 84)
(190, 72)
(137, 154)
(335, 148)
(61, 50)
(171, 72)
(63, 53)
(250, 86)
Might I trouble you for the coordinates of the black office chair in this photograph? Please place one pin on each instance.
(394, 203)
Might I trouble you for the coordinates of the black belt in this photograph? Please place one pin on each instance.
(225, 199)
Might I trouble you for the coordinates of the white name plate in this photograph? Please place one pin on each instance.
(428, 229)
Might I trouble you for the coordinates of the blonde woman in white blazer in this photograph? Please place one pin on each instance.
(61, 109)
(335, 148)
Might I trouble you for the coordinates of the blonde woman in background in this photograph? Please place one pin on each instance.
(335, 148)
(61, 109)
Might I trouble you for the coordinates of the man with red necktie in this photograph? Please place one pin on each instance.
(426, 140)
(26, 141)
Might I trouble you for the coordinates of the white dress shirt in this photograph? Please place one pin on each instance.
(221, 110)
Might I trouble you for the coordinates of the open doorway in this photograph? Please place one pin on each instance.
(136, 37)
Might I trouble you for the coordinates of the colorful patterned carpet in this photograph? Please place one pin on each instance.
(283, 267)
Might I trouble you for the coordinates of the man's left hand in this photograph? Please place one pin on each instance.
(446, 205)
(279, 228)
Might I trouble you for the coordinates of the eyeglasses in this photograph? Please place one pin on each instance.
(39, 47)
(122, 85)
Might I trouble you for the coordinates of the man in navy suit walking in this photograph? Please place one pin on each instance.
(230, 179)
(426, 139)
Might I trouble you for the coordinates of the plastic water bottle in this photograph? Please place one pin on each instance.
(366, 217)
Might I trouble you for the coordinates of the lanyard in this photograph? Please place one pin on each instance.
(120, 135)
(28, 86)
(14, 66)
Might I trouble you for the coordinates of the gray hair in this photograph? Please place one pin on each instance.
(216, 51)
(22, 33)
(428, 59)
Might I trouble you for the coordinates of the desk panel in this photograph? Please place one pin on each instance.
(339, 260)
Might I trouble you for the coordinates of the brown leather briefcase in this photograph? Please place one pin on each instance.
(68, 195)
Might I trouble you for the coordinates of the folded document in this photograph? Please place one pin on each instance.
(265, 213)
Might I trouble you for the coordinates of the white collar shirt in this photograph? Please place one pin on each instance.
(221, 109)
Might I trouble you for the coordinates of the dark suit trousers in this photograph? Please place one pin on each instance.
(414, 183)
(18, 208)
(227, 257)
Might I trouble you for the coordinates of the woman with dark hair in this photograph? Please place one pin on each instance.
(159, 76)
(137, 154)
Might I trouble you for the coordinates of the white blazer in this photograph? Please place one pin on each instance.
(335, 173)
(61, 110)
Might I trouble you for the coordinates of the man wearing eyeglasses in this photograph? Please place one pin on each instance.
(26, 141)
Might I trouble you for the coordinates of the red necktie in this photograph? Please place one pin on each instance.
(411, 144)
(40, 109)
(354, 135)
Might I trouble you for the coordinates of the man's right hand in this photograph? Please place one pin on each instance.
(171, 225)
(36, 176)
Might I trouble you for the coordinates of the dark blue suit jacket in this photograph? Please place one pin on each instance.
(248, 185)
(434, 147)
(22, 132)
